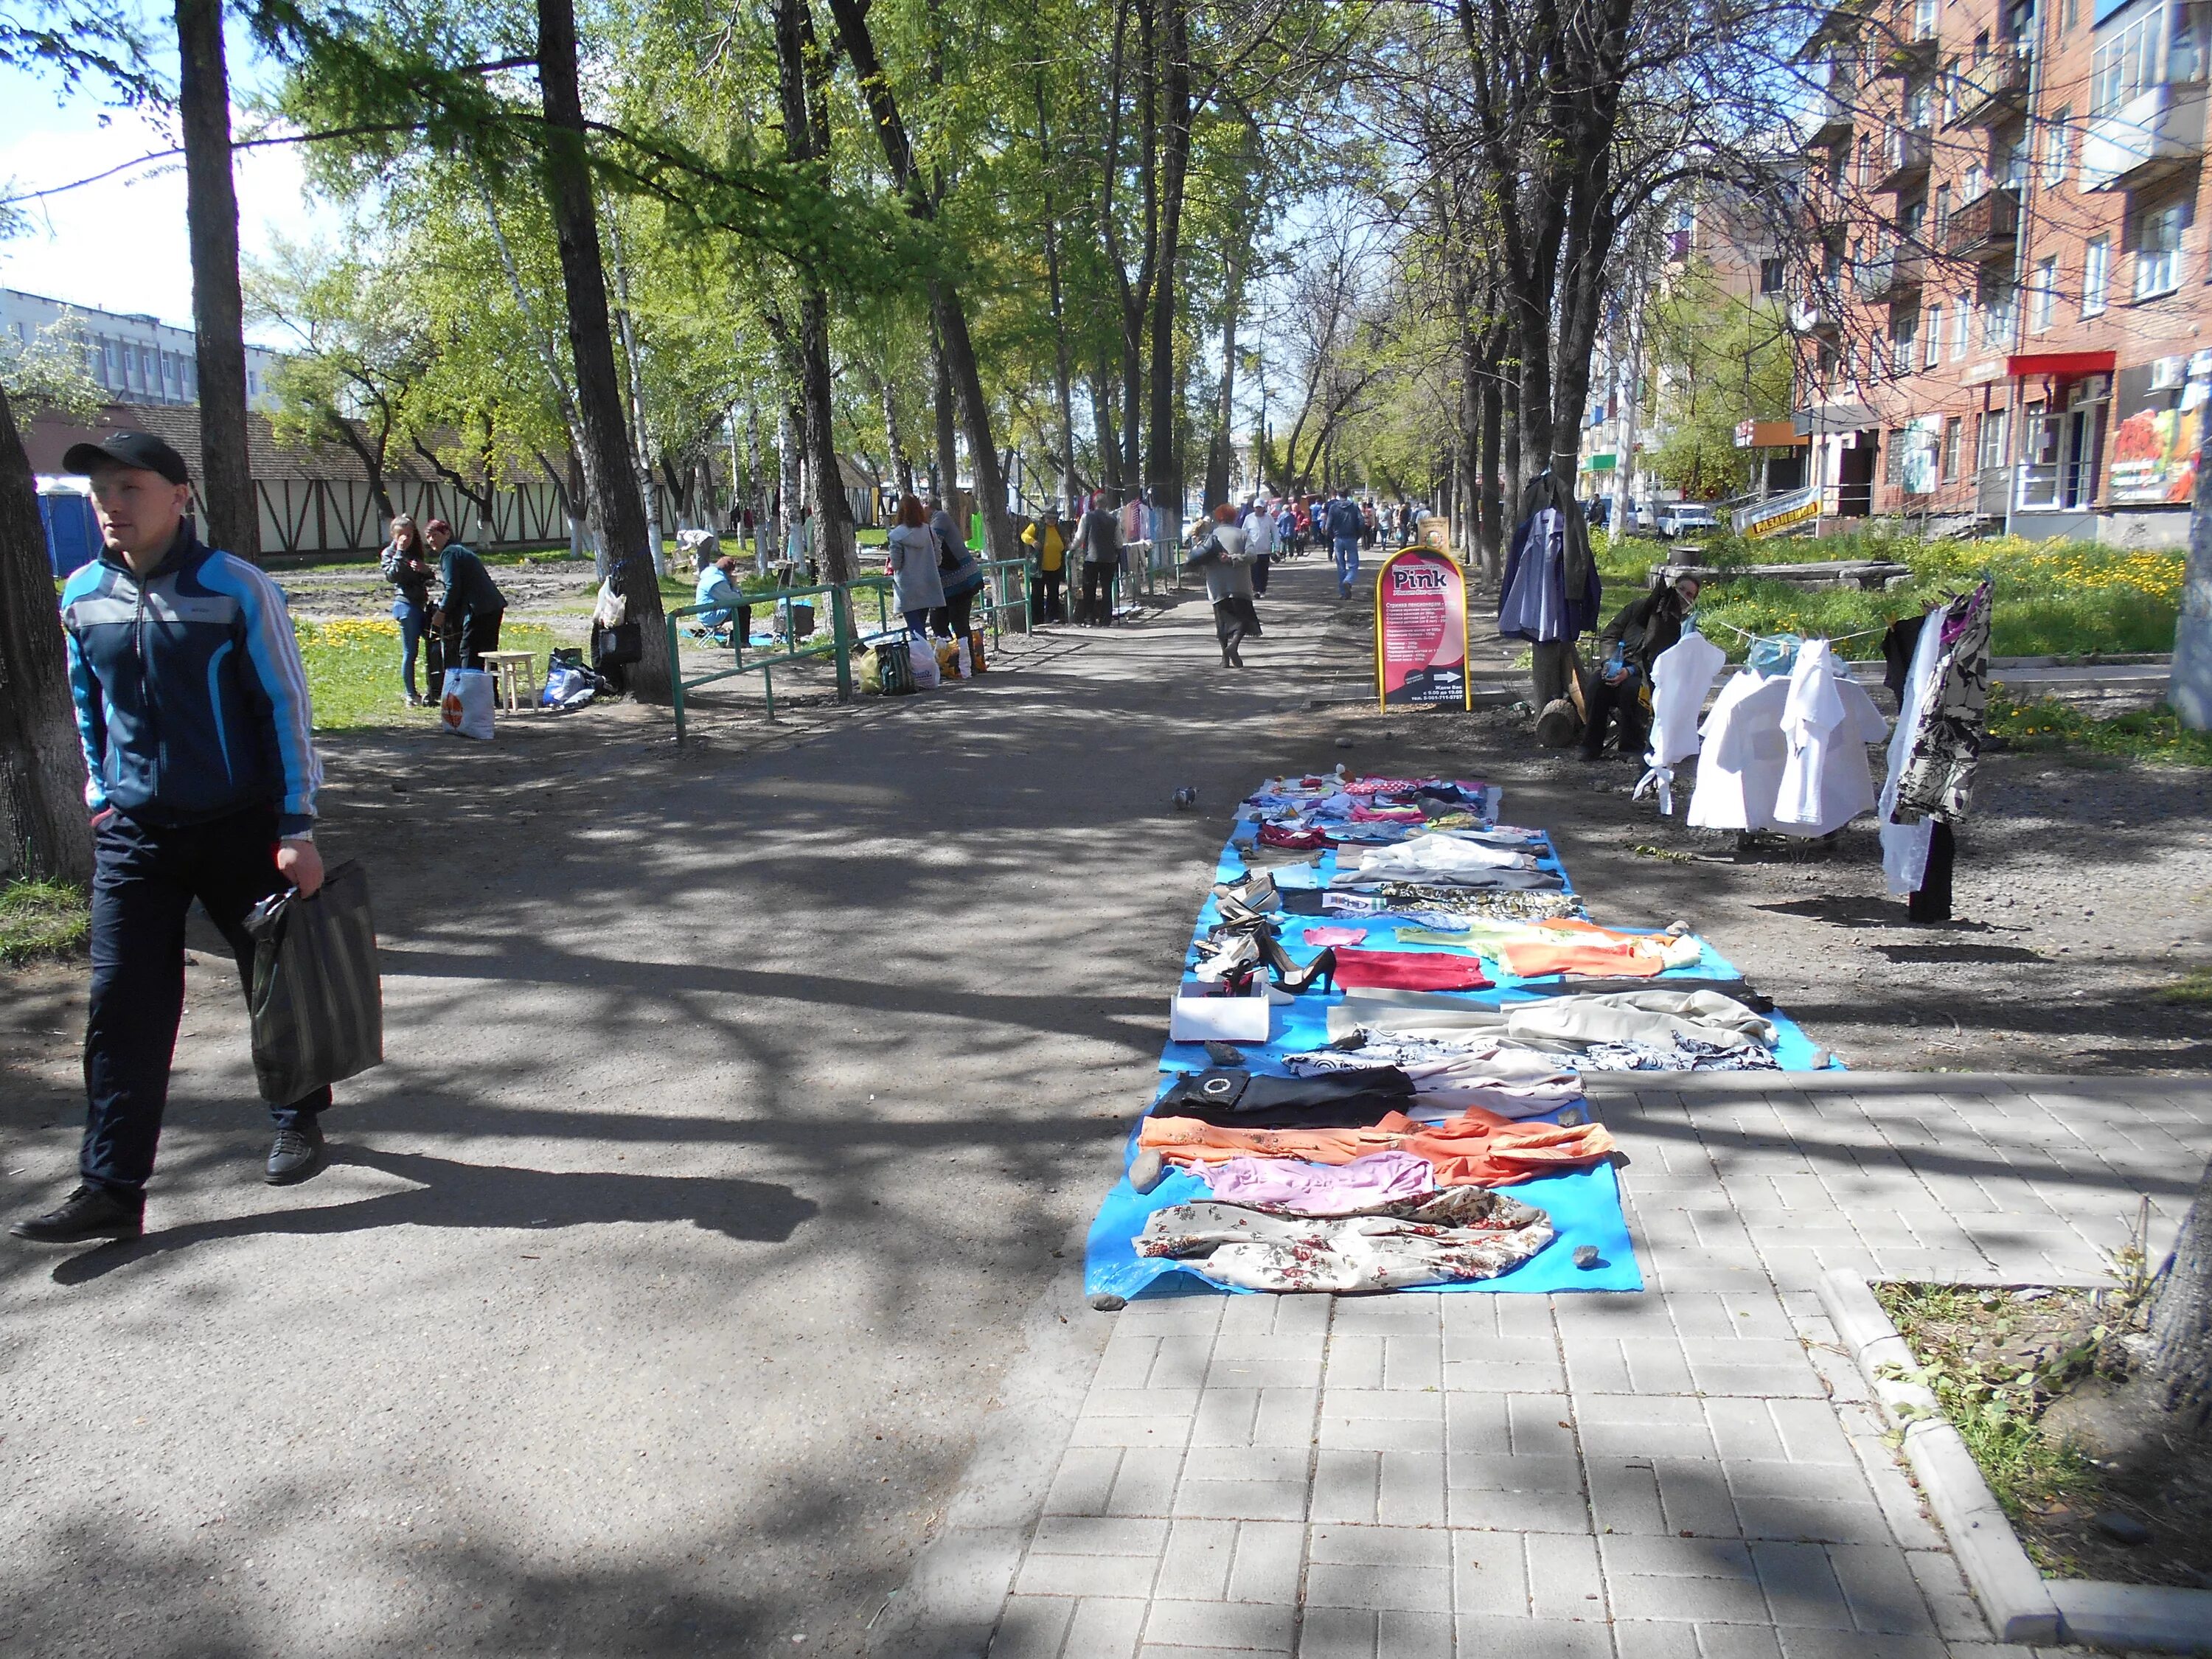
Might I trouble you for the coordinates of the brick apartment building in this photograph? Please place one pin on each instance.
(2008, 319)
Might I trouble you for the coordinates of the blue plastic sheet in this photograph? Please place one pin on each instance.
(1585, 1205)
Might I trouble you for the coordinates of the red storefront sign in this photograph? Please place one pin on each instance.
(1420, 630)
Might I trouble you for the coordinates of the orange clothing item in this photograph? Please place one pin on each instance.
(1599, 952)
(1475, 1149)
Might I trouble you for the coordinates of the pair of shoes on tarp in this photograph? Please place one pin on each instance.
(93, 1212)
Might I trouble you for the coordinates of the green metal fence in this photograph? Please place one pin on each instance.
(1002, 577)
(836, 642)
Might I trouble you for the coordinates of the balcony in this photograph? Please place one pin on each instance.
(1834, 114)
(1986, 227)
(1810, 316)
(1890, 277)
(2160, 130)
(1913, 52)
(1905, 159)
(1994, 90)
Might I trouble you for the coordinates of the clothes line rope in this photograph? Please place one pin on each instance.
(1746, 634)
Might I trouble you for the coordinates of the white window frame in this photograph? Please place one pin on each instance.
(2096, 275)
(1934, 354)
(1962, 327)
(2045, 307)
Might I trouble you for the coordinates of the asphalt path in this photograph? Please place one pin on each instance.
(736, 1111)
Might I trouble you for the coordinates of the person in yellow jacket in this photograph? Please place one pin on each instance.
(1048, 545)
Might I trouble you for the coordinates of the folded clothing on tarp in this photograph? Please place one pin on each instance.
(1443, 1238)
(1560, 1024)
(1475, 1149)
(1340, 1100)
(1409, 970)
(1506, 1078)
(1294, 1186)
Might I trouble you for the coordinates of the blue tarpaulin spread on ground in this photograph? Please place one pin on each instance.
(1584, 1205)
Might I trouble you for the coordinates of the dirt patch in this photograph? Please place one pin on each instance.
(2083, 891)
(2099, 1481)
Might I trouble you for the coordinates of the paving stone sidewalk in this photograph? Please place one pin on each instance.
(1693, 1472)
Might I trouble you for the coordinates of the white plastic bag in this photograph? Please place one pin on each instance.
(967, 669)
(466, 706)
(924, 658)
(612, 608)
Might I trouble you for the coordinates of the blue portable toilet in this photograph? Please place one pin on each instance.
(72, 532)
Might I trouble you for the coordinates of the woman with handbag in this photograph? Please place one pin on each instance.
(910, 556)
(1221, 557)
(958, 574)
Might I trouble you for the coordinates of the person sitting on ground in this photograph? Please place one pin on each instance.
(910, 558)
(470, 605)
(1048, 542)
(1621, 689)
(717, 586)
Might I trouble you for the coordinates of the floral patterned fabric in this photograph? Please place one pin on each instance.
(1451, 1238)
(1938, 775)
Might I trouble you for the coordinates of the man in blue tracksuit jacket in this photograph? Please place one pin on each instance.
(202, 778)
(1345, 526)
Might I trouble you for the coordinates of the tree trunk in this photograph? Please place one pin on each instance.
(42, 816)
(802, 89)
(946, 415)
(894, 432)
(788, 422)
(591, 340)
(233, 515)
(633, 382)
(757, 476)
(1164, 470)
(2189, 691)
(2181, 1317)
(1110, 443)
(1063, 377)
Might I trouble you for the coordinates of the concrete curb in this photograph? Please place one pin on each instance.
(2022, 1606)
(950, 1603)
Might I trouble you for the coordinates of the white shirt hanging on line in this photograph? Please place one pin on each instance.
(1679, 679)
(1740, 767)
(1827, 721)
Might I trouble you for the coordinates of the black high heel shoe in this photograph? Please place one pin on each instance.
(1288, 974)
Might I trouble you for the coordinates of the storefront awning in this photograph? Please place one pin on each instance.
(1604, 463)
(2061, 363)
(1822, 419)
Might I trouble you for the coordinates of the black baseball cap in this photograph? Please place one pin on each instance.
(142, 450)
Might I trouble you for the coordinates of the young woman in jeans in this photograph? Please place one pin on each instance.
(408, 567)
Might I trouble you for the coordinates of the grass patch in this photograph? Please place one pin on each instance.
(1993, 1403)
(42, 918)
(2053, 598)
(353, 669)
(2148, 734)
(2192, 990)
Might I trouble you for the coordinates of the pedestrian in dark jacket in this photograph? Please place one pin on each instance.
(1097, 547)
(191, 705)
(470, 603)
(1645, 629)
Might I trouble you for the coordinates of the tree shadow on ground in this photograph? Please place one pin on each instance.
(489, 1197)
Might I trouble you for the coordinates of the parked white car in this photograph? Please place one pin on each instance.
(1678, 518)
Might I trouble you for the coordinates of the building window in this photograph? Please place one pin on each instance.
(1904, 340)
(1946, 459)
(2057, 143)
(1962, 315)
(2000, 315)
(1892, 457)
(1942, 210)
(1773, 274)
(1935, 336)
(1990, 441)
(2158, 251)
(2096, 275)
(2047, 292)
(1924, 20)
(2127, 62)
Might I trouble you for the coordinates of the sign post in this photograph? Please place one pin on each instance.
(1420, 630)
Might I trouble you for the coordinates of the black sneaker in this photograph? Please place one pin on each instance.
(89, 1213)
(296, 1155)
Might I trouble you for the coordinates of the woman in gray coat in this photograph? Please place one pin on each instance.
(910, 555)
(1228, 570)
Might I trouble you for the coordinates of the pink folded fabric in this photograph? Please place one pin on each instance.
(1386, 815)
(1334, 935)
(1302, 1188)
(1409, 970)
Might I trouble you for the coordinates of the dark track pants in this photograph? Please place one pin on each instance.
(145, 880)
